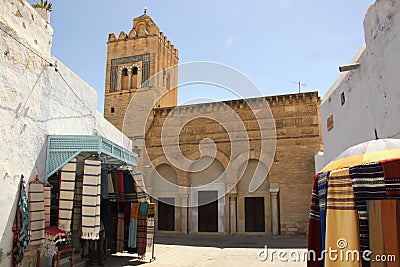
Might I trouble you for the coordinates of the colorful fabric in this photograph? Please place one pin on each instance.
(67, 193)
(150, 209)
(139, 186)
(91, 200)
(368, 183)
(126, 184)
(391, 169)
(322, 195)
(314, 228)
(77, 216)
(36, 208)
(114, 226)
(120, 184)
(341, 218)
(132, 233)
(104, 184)
(390, 222)
(377, 243)
(127, 220)
(111, 191)
(56, 239)
(47, 205)
(141, 235)
(120, 232)
(21, 226)
(150, 235)
(130, 192)
(135, 210)
(143, 208)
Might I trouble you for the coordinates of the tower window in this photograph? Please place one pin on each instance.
(112, 110)
(125, 72)
(134, 71)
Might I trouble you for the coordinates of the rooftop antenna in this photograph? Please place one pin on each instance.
(300, 84)
(145, 9)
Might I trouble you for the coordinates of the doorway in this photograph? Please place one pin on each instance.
(208, 211)
(166, 214)
(254, 214)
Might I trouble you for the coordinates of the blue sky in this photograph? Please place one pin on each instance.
(274, 43)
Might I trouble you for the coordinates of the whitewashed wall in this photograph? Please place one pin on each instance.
(372, 92)
(35, 101)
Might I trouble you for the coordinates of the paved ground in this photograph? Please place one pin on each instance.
(221, 250)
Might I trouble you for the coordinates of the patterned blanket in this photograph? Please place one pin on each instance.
(47, 205)
(36, 208)
(67, 190)
(91, 200)
(341, 217)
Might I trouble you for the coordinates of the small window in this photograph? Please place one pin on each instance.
(342, 98)
(134, 71)
(125, 72)
(112, 110)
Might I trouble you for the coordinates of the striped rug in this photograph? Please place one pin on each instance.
(341, 218)
(47, 205)
(368, 183)
(314, 227)
(120, 232)
(91, 200)
(67, 190)
(139, 186)
(36, 209)
(133, 225)
(141, 235)
(391, 169)
(150, 236)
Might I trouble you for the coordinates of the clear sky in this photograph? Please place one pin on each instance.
(274, 43)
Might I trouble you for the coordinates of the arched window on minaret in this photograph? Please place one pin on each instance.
(124, 79)
(134, 78)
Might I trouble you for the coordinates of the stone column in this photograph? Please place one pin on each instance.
(139, 75)
(233, 214)
(119, 80)
(275, 213)
(130, 78)
(184, 218)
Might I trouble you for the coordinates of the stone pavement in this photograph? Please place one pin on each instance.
(219, 250)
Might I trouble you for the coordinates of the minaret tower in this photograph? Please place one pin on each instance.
(131, 60)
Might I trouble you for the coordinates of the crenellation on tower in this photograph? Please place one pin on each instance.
(131, 60)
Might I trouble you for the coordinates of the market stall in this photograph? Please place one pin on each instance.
(355, 207)
(92, 203)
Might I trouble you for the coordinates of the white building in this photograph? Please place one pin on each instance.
(38, 98)
(366, 98)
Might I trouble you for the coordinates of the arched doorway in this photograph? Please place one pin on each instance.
(207, 196)
(164, 179)
(254, 208)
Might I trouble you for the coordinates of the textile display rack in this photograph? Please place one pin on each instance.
(85, 203)
(356, 208)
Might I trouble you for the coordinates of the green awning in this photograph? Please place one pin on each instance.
(62, 148)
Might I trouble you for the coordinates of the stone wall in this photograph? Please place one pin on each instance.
(298, 139)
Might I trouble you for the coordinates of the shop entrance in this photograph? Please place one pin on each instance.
(166, 214)
(254, 214)
(208, 211)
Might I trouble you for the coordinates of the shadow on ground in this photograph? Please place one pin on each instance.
(228, 241)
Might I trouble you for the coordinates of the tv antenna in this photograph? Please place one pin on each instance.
(300, 85)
